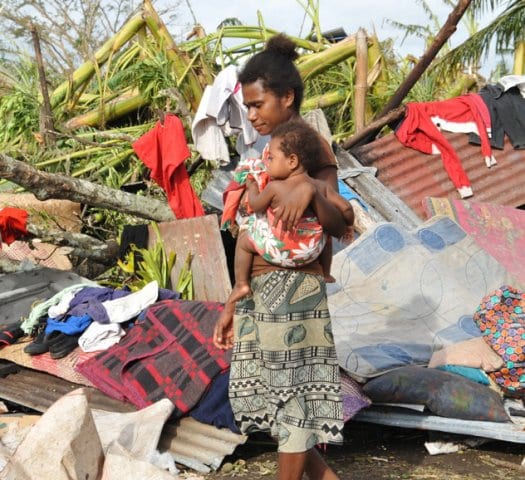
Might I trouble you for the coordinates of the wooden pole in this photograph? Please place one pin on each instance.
(47, 126)
(373, 128)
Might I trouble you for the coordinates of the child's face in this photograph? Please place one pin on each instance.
(279, 165)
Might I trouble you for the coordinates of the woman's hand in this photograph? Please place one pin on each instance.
(223, 332)
(290, 207)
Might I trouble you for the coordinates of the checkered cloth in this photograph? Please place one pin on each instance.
(170, 354)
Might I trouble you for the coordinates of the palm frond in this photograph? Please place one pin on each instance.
(503, 32)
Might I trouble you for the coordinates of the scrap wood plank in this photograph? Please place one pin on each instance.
(201, 237)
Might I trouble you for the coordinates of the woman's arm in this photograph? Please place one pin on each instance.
(344, 206)
(329, 216)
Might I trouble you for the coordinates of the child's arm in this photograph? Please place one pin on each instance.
(259, 201)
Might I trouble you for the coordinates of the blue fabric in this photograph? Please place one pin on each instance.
(214, 407)
(474, 374)
(71, 326)
(346, 192)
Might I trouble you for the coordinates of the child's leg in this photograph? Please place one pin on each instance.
(243, 267)
(325, 259)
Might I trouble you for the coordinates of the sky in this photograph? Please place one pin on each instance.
(288, 16)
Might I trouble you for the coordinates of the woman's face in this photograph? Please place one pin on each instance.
(265, 109)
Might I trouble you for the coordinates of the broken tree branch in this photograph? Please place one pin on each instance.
(374, 127)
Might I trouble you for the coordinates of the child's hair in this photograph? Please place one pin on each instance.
(298, 137)
(275, 68)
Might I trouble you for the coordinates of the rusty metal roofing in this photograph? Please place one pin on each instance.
(413, 175)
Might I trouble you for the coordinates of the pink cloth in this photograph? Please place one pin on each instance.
(498, 229)
(164, 149)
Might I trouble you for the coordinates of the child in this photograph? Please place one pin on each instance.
(293, 148)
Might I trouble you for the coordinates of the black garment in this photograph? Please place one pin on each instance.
(133, 235)
(507, 116)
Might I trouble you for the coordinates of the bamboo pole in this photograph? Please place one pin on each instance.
(260, 35)
(325, 100)
(117, 108)
(87, 69)
(315, 63)
(376, 63)
(361, 74)
(187, 80)
(116, 160)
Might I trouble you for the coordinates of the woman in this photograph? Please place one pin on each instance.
(284, 375)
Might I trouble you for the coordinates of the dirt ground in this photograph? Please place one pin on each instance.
(373, 452)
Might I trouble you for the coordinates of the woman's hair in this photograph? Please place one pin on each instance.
(275, 68)
(298, 137)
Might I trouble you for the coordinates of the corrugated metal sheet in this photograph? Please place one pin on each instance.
(38, 391)
(402, 417)
(413, 175)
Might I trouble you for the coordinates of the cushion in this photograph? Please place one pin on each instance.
(443, 393)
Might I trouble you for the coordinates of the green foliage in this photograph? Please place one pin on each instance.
(503, 32)
(19, 106)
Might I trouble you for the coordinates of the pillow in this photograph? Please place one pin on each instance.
(443, 393)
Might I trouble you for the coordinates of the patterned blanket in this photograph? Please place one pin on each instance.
(498, 229)
(170, 354)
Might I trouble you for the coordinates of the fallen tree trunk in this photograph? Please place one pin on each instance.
(47, 186)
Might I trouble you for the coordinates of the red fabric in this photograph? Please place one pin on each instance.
(419, 132)
(13, 224)
(163, 150)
